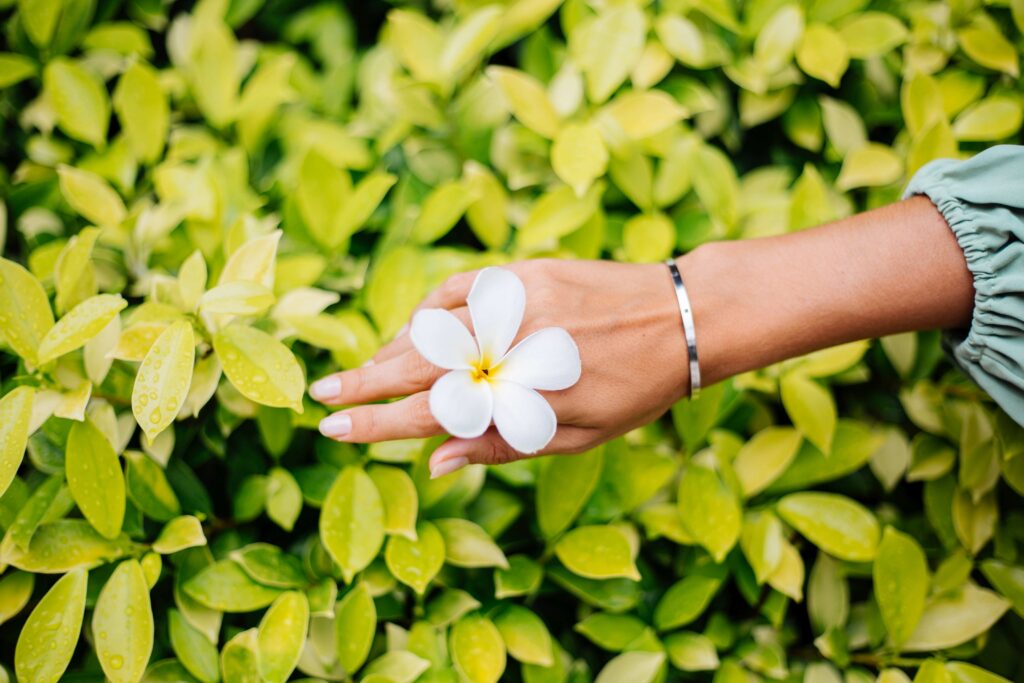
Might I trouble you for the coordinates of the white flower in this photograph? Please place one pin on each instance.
(488, 382)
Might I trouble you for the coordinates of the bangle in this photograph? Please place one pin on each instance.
(689, 332)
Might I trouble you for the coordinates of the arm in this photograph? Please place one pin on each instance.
(756, 302)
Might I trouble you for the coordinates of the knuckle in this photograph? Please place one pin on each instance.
(418, 369)
(420, 414)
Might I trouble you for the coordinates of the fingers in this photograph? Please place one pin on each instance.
(404, 374)
(403, 342)
(491, 449)
(409, 418)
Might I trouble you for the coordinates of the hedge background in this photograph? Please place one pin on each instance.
(218, 202)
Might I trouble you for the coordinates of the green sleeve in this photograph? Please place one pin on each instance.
(982, 199)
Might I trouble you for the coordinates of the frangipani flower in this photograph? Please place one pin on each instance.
(488, 380)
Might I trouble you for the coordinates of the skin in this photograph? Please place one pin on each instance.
(755, 302)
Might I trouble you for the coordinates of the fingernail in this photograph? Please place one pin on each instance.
(326, 388)
(336, 425)
(447, 467)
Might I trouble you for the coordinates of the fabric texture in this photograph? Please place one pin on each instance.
(982, 199)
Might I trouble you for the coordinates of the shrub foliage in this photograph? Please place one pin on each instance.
(204, 207)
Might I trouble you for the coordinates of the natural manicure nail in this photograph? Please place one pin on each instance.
(336, 425)
(326, 388)
(447, 467)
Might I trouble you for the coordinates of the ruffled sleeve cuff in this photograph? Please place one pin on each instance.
(982, 200)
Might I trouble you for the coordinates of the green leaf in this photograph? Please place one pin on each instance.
(563, 487)
(148, 487)
(352, 521)
(613, 632)
(900, 574)
(47, 640)
(398, 666)
(416, 561)
(466, 44)
(224, 586)
(195, 652)
(641, 114)
(79, 325)
(260, 367)
(39, 19)
(762, 542)
(355, 620)
(636, 667)
(15, 416)
(709, 510)
(441, 210)
(178, 534)
(477, 649)
(95, 479)
(269, 565)
(952, 619)
(237, 298)
(122, 624)
(766, 456)
(779, 37)
(716, 185)
(525, 635)
(79, 100)
(254, 261)
(597, 552)
(607, 48)
(396, 285)
(822, 54)
(239, 659)
(163, 380)
(91, 196)
(834, 523)
(25, 313)
(65, 545)
(284, 498)
(211, 69)
(687, 599)
(15, 68)
(74, 275)
(15, 592)
(649, 238)
(811, 407)
(281, 635)
(558, 213)
(1008, 580)
(468, 545)
(361, 203)
(579, 156)
(872, 34)
(522, 577)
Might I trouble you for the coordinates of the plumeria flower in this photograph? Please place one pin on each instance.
(489, 382)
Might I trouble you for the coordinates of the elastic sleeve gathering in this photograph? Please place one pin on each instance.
(982, 200)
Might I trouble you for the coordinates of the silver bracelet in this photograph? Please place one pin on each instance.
(686, 311)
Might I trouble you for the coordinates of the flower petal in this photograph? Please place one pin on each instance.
(461, 404)
(523, 418)
(548, 359)
(442, 339)
(496, 303)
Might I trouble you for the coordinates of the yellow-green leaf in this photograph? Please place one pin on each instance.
(25, 314)
(178, 534)
(468, 545)
(477, 649)
(822, 54)
(841, 527)
(714, 180)
(900, 574)
(281, 636)
(361, 203)
(39, 19)
(415, 562)
(988, 47)
(253, 261)
(74, 277)
(79, 325)
(557, 213)
(811, 407)
(352, 521)
(764, 457)
(122, 624)
(649, 238)
(607, 48)
(643, 113)
(709, 510)
(994, 118)
(401, 502)
(872, 165)
(79, 100)
(635, 667)
(260, 367)
(525, 635)
(212, 69)
(563, 487)
(441, 210)
(682, 38)
(48, 639)
(527, 99)
(15, 68)
(163, 380)
(597, 552)
(467, 43)
(239, 659)
(871, 34)
(15, 416)
(237, 298)
(778, 38)
(955, 618)
(578, 156)
(224, 586)
(142, 109)
(355, 622)
(95, 478)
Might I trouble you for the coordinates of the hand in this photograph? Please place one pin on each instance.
(624, 319)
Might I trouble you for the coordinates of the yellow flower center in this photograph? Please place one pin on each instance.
(483, 370)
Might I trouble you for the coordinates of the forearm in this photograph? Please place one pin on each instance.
(894, 269)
